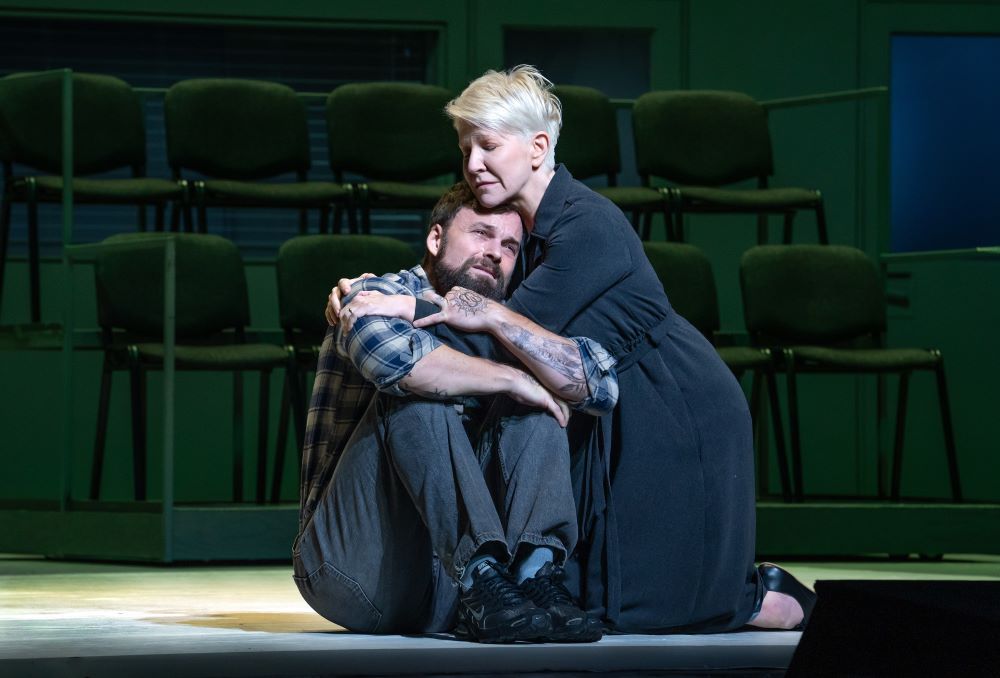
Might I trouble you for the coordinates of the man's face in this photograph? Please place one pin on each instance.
(478, 251)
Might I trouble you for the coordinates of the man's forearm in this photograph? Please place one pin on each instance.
(445, 372)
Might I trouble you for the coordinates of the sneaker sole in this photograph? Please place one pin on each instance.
(535, 628)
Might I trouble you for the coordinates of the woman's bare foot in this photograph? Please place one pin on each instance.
(778, 611)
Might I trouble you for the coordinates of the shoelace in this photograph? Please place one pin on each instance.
(502, 589)
(547, 590)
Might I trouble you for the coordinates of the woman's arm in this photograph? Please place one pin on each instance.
(555, 360)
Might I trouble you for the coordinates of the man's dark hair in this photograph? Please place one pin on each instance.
(455, 199)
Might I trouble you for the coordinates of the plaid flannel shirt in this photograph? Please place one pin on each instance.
(377, 354)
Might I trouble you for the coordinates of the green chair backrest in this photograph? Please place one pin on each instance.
(309, 266)
(818, 294)
(701, 137)
(211, 291)
(588, 141)
(236, 129)
(686, 274)
(108, 129)
(391, 131)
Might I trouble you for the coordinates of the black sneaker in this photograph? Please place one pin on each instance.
(570, 624)
(495, 610)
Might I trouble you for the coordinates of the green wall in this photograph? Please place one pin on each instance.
(771, 49)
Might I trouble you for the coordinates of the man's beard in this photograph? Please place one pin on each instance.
(445, 278)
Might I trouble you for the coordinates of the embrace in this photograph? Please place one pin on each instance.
(519, 439)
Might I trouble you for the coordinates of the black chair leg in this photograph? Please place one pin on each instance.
(138, 381)
(4, 239)
(779, 435)
(793, 424)
(647, 225)
(100, 438)
(324, 219)
(237, 437)
(883, 473)
(281, 441)
(34, 258)
(202, 215)
(265, 384)
(365, 207)
(303, 221)
(762, 232)
(897, 451)
(160, 215)
(141, 218)
(949, 432)
(824, 239)
(789, 221)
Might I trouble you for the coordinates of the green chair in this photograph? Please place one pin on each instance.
(308, 267)
(243, 136)
(395, 138)
(686, 274)
(588, 146)
(702, 141)
(824, 309)
(108, 135)
(212, 312)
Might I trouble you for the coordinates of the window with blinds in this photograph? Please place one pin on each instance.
(159, 53)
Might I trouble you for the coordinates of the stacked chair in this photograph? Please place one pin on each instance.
(212, 312)
(588, 146)
(240, 135)
(703, 141)
(108, 135)
(308, 266)
(395, 141)
(823, 309)
(687, 278)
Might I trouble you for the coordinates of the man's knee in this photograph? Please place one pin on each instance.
(336, 596)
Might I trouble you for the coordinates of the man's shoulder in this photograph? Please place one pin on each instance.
(411, 281)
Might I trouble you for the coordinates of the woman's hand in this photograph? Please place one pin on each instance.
(462, 309)
(368, 302)
(342, 289)
(526, 390)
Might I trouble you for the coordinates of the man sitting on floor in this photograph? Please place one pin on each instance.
(417, 505)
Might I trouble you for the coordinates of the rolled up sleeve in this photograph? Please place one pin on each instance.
(602, 380)
(384, 349)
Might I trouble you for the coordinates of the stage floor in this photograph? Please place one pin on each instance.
(89, 619)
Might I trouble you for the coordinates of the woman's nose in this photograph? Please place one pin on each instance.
(474, 161)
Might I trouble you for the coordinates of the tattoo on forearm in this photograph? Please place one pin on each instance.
(435, 393)
(468, 302)
(563, 358)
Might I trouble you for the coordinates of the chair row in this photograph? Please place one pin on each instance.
(212, 314)
(228, 140)
(809, 309)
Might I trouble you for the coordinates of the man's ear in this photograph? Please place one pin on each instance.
(539, 149)
(434, 237)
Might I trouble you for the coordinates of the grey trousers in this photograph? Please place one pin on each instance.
(413, 499)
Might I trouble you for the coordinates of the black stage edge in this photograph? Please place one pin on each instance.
(902, 628)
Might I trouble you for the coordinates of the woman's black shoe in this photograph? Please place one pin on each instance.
(780, 580)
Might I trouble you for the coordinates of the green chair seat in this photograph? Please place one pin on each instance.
(761, 199)
(403, 194)
(211, 313)
(225, 357)
(390, 134)
(640, 198)
(261, 194)
(105, 191)
(743, 358)
(824, 308)
(703, 141)
(867, 360)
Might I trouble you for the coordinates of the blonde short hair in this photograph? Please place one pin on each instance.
(518, 101)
